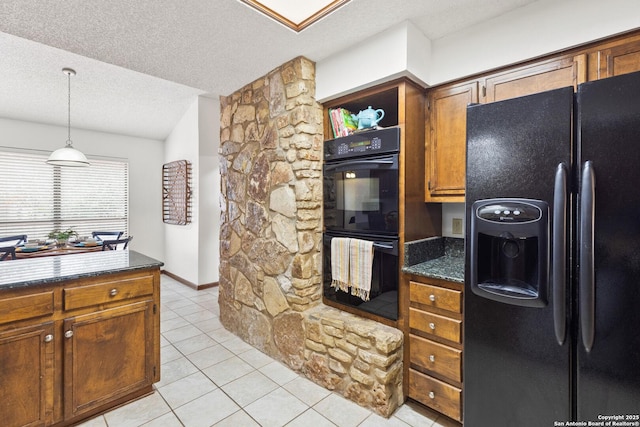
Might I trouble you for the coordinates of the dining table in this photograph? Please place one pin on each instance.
(53, 250)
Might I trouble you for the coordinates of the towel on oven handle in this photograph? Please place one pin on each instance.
(360, 267)
(340, 263)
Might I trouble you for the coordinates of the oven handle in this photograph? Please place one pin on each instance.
(381, 246)
(385, 247)
(343, 166)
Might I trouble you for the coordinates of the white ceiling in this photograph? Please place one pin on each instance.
(140, 64)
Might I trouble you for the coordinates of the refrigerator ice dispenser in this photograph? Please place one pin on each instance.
(510, 251)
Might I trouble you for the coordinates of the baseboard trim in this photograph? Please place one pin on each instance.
(190, 284)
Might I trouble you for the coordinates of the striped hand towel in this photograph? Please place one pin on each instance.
(340, 263)
(360, 266)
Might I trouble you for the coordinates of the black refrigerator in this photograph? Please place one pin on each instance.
(552, 271)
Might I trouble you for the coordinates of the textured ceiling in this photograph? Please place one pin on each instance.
(141, 63)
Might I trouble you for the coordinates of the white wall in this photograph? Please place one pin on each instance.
(181, 241)
(145, 157)
(535, 30)
(531, 31)
(449, 212)
(192, 251)
(379, 59)
(209, 178)
(418, 55)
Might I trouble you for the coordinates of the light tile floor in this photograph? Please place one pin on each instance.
(210, 377)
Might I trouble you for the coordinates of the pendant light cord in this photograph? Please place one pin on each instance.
(69, 72)
(67, 155)
(69, 112)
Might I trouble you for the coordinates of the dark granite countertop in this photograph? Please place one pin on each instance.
(435, 257)
(53, 269)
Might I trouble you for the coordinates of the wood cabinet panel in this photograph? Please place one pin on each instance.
(121, 339)
(91, 295)
(436, 394)
(441, 359)
(620, 59)
(436, 296)
(112, 353)
(539, 77)
(26, 376)
(446, 141)
(26, 307)
(440, 326)
(434, 338)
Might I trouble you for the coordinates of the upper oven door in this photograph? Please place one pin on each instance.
(361, 195)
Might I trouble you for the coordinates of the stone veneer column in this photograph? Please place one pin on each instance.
(271, 138)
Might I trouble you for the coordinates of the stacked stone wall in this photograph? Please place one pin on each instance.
(357, 357)
(271, 137)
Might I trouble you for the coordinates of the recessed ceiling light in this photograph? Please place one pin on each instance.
(296, 14)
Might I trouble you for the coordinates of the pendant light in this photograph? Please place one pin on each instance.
(68, 156)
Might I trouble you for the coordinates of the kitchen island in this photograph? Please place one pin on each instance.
(79, 334)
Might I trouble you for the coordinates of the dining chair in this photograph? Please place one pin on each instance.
(112, 245)
(8, 246)
(106, 235)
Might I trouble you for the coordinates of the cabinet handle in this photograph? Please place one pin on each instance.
(432, 297)
(432, 358)
(48, 338)
(113, 292)
(432, 395)
(432, 325)
(68, 334)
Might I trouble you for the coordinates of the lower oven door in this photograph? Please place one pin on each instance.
(384, 277)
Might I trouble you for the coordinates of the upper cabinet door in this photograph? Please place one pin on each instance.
(617, 60)
(538, 77)
(446, 141)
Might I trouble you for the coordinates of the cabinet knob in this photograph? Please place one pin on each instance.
(432, 297)
(432, 395)
(113, 292)
(48, 338)
(432, 325)
(68, 334)
(432, 358)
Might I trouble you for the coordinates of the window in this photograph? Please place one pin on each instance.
(37, 198)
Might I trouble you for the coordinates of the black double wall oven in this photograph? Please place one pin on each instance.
(360, 175)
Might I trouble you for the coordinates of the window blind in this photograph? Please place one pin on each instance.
(37, 198)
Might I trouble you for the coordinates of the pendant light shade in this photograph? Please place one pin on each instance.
(67, 155)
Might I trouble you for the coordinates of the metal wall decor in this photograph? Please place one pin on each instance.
(176, 192)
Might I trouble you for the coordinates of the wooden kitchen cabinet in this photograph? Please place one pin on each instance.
(107, 355)
(26, 376)
(435, 340)
(615, 58)
(447, 116)
(77, 348)
(534, 78)
(446, 141)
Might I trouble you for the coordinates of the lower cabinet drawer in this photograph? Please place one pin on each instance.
(26, 307)
(441, 326)
(85, 296)
(436, 394)
(442, 359)
(436, 296)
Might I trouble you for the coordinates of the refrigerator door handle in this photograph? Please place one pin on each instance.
(559, 253)
(587, 280)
